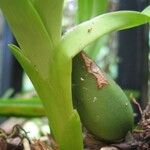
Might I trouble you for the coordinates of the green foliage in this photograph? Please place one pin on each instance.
(21, 107)
(47, 57)
(92, 8)
(19, 15)
(55, 9)
(146, 11)
(40, 63)
(99, 26)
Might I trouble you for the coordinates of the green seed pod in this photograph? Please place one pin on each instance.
(103, 107)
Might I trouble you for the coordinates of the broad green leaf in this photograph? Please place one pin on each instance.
(50, 12)
(83, 34)
(93, 49)
(100, 7)
(85, 10)
(26, 64)
(29, 31)
(73, 126)
(55, 94)
(21, 107)
(146, 11)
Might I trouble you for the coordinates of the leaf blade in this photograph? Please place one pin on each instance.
(29, 31)
(84, 11)
(83, 34)
(21, 107)
(146, 11)
(51, 14)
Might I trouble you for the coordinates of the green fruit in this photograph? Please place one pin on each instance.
(104, 109)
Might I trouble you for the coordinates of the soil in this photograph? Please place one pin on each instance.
(139, 139)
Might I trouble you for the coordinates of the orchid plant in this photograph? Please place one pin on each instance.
(46, 55)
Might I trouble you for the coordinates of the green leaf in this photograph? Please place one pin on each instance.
(50, 12)
(146, 11)
(55, 93)
(85, 10)
(83, 34)
(72, 126)
(29, 31)
(100, 7)
(90, 8)
(30, 69)
(21, 107)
